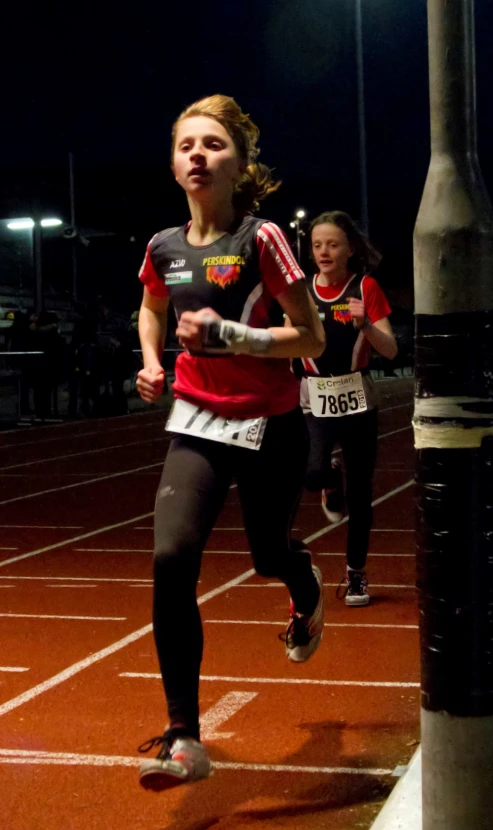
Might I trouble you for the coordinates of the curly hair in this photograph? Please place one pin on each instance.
(257, 181)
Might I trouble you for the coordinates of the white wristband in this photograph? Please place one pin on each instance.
(229, 337)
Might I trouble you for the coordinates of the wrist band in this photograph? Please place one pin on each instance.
(230, 337)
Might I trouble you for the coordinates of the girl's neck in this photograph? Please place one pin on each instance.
(333, 280)
(209, 221)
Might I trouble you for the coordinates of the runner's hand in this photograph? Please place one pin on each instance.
(189, 329)
(357, 311)
(150, 383)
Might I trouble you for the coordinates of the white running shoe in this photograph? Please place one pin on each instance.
(304, 632)
(355, 588)
(183, 761)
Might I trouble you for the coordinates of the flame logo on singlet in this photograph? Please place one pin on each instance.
(342, 314)
(223, 275)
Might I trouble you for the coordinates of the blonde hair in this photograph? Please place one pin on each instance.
(257, 181)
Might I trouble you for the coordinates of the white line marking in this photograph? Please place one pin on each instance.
(61, 616)
(399, 406)
(81, 484)
(35, 691)
(78, 454)
(29, 756)
(326, 625)
(381, 555)
(71, 540)
(374, 503)
(44, 527)
(71, 585)
(114, 550)
(282, 680)
(222, 711)
(3, 547)
(43, 440)
(326, 585)
(78, 579)
(13, 668)
(403, 809)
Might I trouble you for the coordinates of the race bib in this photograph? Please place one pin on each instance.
(333, 397)
(189, 419)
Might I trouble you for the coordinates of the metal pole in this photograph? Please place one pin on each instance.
(72, 224)
(453, 424)
(37, 257)
(364, 222)
(298, 240)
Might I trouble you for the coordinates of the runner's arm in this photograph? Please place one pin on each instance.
(152, 333)
(381, 337)
(303, 334)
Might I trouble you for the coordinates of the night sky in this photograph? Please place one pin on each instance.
(106, 81)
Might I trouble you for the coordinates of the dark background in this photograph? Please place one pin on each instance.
(106, 81)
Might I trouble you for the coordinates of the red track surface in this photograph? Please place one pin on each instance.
(75, 603)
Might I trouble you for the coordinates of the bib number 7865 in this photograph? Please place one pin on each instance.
(337, 396)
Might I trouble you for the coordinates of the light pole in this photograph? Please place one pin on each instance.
(453, 428)
(300, 214)
(35, 226)
(363, 181)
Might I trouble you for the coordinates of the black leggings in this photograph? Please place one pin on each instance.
(194, 484)
(357, 436)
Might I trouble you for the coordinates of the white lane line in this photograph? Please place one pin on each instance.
(403, 809)
(58, 585)
(326, 625)
(326, 585)
(43, 440)
(382, 435)
(13, 668)
(44, 527)
(247, 553)
(30, 756)
(114, 550)
(51, 682)
(84, 452)
(222, 711)
(82, 484)
(60, 616)
(384, 684)
(372, 555)
(399, 406)
(3, 547)
(79, 538)
(79, 579)
(374, 503)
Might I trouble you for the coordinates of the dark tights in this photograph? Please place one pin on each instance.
(194, 484)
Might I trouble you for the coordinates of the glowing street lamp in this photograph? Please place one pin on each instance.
(27, 223)
(299, 215)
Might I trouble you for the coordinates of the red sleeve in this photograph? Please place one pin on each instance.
(376, 304)
(277, 264)
(149, 276)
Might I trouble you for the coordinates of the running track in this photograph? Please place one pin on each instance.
(304, 747)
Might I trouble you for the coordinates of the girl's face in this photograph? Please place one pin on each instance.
(205, 160)
(331, 251)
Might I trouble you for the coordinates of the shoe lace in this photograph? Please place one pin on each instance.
(344, 583)
(159, 740)
(296, 633)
